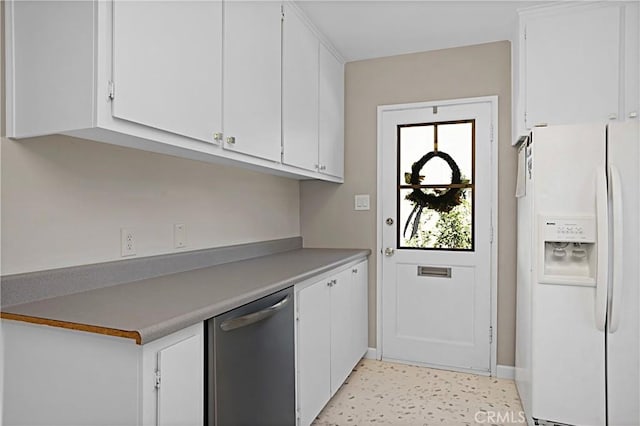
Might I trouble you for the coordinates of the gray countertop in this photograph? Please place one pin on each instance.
(152, 308)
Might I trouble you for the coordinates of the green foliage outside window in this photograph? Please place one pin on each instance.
(451, 230)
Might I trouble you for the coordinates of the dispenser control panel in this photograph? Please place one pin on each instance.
(569, 229)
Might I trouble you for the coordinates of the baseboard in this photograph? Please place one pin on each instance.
(503, 371)
(372, 353)
(506, 372)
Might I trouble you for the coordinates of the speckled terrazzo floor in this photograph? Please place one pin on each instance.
(384, 393)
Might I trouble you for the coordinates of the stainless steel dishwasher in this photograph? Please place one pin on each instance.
(251, 364)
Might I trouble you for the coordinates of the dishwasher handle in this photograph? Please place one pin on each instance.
(252, 318)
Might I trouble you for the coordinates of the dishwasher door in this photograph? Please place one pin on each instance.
(251, 364)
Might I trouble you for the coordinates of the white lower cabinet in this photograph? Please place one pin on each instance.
(67, 377)
(331, 335)
(173, 379)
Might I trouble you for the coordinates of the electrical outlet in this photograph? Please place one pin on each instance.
(179, 235)
(127, 242)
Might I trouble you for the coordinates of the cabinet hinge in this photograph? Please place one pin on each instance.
(491, 234)
(282, 12)
(490, 334)
(491, 133)
(157, 378)
(112, 90)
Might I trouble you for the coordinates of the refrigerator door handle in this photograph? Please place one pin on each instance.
(602, 250)
(617, 257)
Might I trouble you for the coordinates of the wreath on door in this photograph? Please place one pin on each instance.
(440, 201)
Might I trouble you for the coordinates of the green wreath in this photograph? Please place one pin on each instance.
(442, 202)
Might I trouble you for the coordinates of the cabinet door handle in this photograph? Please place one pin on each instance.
(323, 167)
(217, 137)
(355, 270)
(231, 140)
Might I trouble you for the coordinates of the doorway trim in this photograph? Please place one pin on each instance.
(493, 101)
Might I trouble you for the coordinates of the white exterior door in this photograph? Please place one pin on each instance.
(436, 201)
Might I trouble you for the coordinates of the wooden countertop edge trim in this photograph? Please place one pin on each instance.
(74, 326)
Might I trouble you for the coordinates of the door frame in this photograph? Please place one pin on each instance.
(493, 102)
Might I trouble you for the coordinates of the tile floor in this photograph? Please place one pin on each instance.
(384, 393)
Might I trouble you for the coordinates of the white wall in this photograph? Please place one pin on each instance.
(64, 201)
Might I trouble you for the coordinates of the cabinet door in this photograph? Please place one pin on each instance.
(313, 350)
(572, 66)
(341, 330)
(299, 93)
(252, 86)
(167, 69)
(331, 114)
(359, 304)
(180, 395)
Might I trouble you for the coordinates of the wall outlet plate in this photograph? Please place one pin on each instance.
(361, 202)
(179, 235)
(127, 242)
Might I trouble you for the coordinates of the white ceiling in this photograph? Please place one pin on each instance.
(370, 29)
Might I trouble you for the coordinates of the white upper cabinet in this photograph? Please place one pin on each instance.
(331, 85)
(576, 63)
(155, 42)
(313, 100)
(252, 78)
(572, 66)
(299, 93)
(195, 79)
(49, 90)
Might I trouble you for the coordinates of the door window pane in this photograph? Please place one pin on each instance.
(454, 140)
(416, 140)
(435, 189)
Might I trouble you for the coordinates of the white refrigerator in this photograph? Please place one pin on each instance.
(578, 298)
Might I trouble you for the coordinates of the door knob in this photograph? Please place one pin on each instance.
(389, 251)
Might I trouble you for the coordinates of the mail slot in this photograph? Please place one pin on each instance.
(434, 271)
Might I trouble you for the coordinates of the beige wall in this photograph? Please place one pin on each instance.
(64, 201)
(327, 215)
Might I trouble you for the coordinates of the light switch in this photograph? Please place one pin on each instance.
(362, 202)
